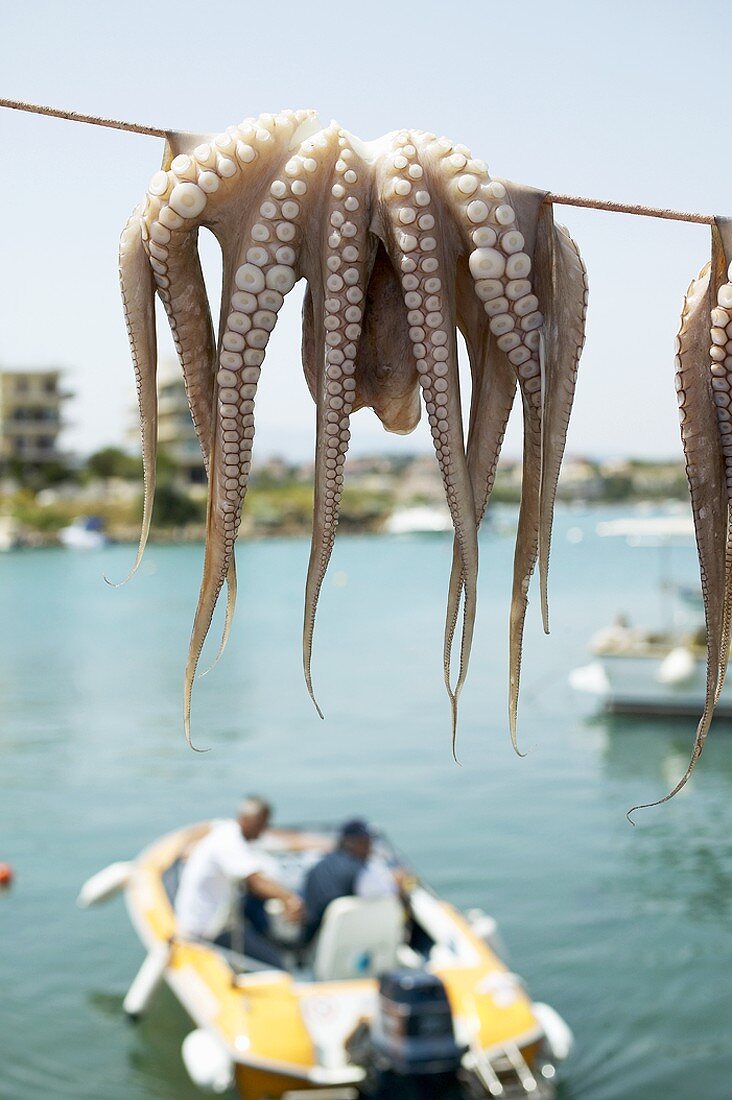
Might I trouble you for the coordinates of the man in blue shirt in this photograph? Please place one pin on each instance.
(347, 871)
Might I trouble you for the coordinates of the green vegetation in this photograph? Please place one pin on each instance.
(280, 500)
(174, 508)
(44, 499)
(35, 478)
(113, 462)
(48, 517)
(287, 507)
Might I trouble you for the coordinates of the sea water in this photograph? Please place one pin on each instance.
(625, 931)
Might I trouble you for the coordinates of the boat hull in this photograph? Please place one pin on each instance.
(627, 684)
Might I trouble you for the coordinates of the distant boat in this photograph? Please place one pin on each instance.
(638, 670)
(419, 520)
(646, 672)
(85, 533)
(10, 537)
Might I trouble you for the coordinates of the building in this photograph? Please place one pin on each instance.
(176, 435)
(31, 418)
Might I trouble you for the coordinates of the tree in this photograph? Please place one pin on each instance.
(175, 509)
(39, 475)
(113, 462)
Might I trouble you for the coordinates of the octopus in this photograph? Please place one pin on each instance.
(402, 242)
(704, 390)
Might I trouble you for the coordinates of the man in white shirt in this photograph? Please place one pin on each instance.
(219, 865)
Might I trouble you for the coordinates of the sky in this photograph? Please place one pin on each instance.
(621, 100)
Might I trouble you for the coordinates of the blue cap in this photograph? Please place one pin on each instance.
(357, 828)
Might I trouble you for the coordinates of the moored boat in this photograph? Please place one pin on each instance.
(84, 533)
(653, 670)
(637, 671)
(393, 990)
(420, 519)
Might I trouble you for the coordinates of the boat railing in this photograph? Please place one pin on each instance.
(505, 1072)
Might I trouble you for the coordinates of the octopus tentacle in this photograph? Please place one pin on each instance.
(726, 610)
(263, 279)
(528, 357)
(500, 228)
(415, 176)
(138, 301)
(705, 471)
(721, 370)
(178, 267)
(525, 556)
(561, 280)
(339, 303)
(183, 292)
(200, 188)
(385, 379)
(173, 255)
(493, 394)
(231, 594)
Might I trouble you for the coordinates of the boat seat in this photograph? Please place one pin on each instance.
(359, 938)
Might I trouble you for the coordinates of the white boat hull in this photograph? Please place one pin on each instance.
(628, 684)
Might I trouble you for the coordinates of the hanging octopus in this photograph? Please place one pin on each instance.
(703, 386)
(401, 242)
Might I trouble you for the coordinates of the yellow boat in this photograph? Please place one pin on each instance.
(393, 994)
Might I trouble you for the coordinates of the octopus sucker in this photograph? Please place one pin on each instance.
(401, 242)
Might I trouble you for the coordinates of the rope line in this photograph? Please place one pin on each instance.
(557, 200)
(75, 116)
(631, 208)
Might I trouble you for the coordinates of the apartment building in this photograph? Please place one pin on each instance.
(31, 417)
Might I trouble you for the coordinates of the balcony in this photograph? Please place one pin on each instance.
(22, 420)
(30, 398)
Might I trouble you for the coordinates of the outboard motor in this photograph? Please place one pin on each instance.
(412, 1030)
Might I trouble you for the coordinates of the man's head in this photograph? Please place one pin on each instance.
(356, 838)
(253, 817)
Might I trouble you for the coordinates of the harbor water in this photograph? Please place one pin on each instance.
(625, 931)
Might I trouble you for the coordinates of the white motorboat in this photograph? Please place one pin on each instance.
(637, 670)
(84, 533)
(418, 520)
(642, 672)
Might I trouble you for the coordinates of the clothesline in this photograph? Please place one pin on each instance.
(557, 200)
